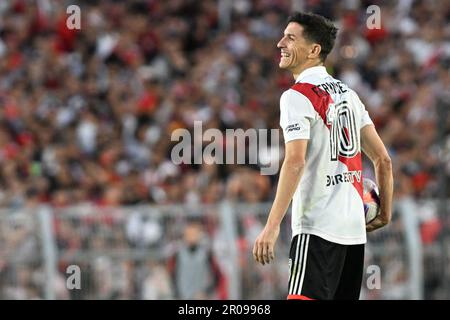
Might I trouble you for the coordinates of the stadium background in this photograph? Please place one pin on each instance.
(85, 123)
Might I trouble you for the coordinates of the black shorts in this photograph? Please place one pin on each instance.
(324, 270)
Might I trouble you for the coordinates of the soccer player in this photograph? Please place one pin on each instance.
(325, 126)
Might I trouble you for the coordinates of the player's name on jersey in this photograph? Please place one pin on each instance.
(329, 88)
(346, 177)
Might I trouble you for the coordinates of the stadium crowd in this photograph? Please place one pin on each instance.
(86, 116)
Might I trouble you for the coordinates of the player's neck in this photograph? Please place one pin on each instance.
(300, 69)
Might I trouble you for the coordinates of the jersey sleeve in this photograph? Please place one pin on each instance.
(365, 117)
(295, 116)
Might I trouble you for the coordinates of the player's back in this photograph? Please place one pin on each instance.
(328, 201)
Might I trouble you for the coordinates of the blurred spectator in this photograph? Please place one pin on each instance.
(87, 115)
(157, 284)
(193, 268)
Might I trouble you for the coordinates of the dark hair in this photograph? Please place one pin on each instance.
(318, 29)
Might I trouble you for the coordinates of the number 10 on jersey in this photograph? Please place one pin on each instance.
(343, 133)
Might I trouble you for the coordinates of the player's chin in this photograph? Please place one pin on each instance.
(283, 64)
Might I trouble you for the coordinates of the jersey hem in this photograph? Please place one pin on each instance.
(295, 138)
(329, 237)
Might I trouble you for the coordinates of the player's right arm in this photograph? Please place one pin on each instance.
(374, 148)
(295, 116)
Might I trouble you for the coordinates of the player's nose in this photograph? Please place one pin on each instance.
(281, 44)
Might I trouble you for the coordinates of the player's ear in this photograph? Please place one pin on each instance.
(315, 51)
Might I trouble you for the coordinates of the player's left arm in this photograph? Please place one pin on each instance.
(374, 148)
(290, 175)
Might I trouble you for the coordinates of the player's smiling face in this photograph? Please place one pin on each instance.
(294, 48)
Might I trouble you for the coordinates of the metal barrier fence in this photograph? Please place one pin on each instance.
(21, 256)
(146, 252)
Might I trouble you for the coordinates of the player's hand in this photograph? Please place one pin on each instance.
(264, 248)
(377, 223)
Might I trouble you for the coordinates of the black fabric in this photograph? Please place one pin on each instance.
(323, 270)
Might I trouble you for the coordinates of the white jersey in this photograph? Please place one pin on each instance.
(328, 200)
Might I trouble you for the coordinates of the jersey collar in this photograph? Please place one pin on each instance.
(310, 71)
